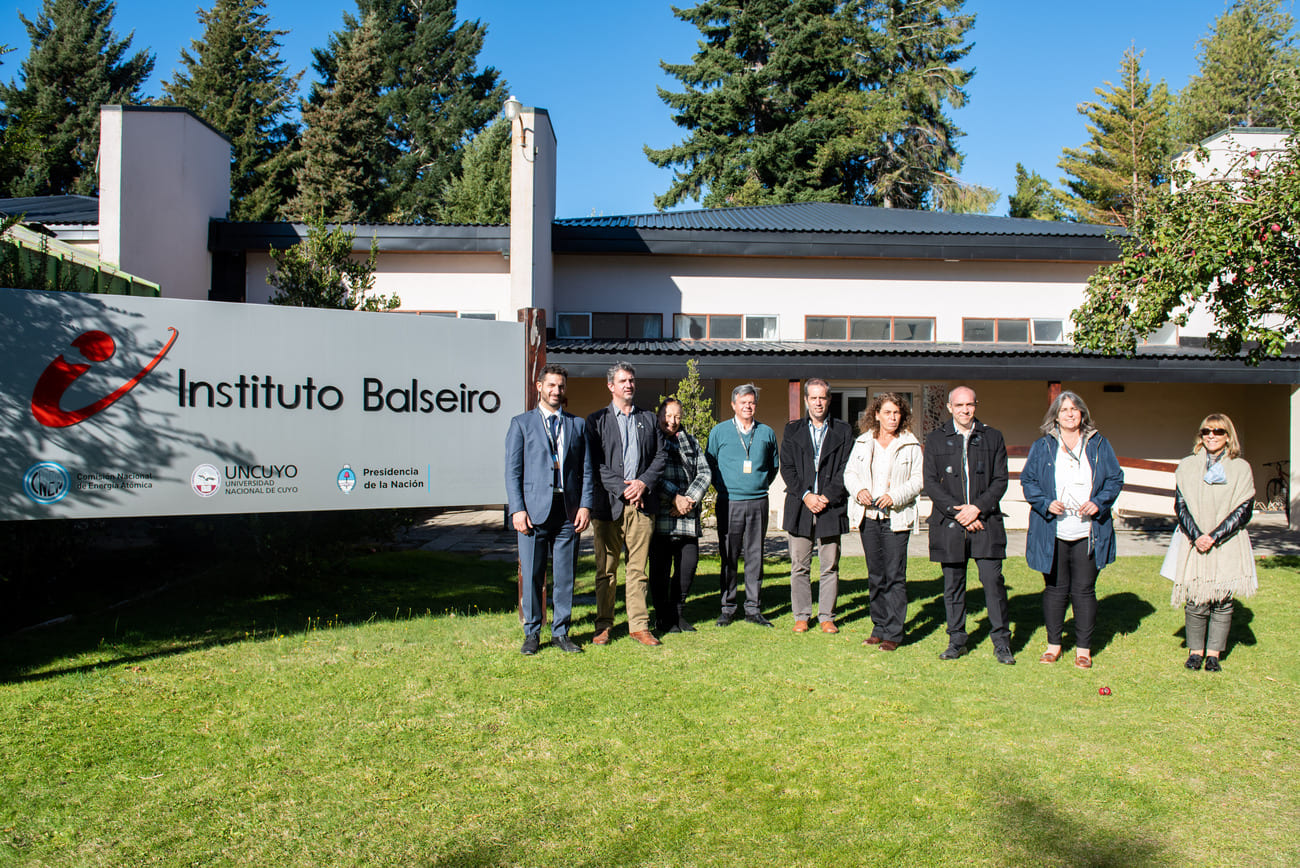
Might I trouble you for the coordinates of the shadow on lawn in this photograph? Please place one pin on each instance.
(1043, 836)
(236, 602)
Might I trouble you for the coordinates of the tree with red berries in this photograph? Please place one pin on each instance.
(1231, 247)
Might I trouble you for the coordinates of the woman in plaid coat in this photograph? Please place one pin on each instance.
(675, 546)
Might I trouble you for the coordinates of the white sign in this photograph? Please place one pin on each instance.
(121, 406)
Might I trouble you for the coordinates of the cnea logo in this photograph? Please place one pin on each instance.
(60, 374)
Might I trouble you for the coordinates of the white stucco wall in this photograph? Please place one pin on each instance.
(163, 175)
(794, 288)
(462, 282)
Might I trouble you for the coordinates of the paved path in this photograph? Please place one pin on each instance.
(482, 532)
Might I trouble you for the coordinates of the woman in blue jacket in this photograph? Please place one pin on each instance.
(1071, 480)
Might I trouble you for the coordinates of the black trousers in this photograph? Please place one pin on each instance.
(1072, 581)
(886, 554)
(673, 560)
(995, 599)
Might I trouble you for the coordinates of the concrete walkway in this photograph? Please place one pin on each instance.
(482, 532)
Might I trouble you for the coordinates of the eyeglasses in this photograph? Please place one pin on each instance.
(1217, 432)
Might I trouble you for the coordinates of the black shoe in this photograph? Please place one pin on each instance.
(1004, 655)
(684, 626)
(564, 643)
(531, 644)
(758, 619)
(1212, 664)
(1194, 662)
(724, 619)
(665, 627)
(953, 652)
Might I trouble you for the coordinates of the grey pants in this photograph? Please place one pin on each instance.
(828, 586)
(742, 525)
(1218, 616)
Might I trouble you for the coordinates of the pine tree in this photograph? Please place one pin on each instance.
(76, 64)
(431, 94)
(345, 148)
(480, 193)
(1034, 197)
(1127, 154)
(236, 81)
(817, 100)
(1250, 47)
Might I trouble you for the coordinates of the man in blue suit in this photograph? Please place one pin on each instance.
(549, 492)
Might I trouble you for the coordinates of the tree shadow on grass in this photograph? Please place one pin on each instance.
(1035, 833)
(234, 602)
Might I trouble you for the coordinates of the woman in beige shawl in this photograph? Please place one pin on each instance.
(1213, 499)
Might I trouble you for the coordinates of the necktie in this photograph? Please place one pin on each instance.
(553, 424)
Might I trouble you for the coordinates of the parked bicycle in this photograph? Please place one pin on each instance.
(1277, 491)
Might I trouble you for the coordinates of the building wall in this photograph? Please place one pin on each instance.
(462, 282)
(794, 288)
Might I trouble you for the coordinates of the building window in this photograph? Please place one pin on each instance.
(724, 327)
(868, 328)
(609, 326)
(573, 325)
(1012, 331)
(1049, 331)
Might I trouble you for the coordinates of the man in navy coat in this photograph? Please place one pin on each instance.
(549, 493)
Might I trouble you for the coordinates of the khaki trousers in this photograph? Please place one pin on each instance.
(632, 529)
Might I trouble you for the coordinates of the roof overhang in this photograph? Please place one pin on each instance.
(894, 361)
(891, 245)
(226, 236)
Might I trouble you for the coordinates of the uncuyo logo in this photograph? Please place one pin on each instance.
(205, 480)
(54, 381)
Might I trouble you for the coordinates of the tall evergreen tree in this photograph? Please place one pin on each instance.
(480, 193)
(1034, 197)
(236, 81)
(76, 64)
(834, 100)
(346, 153)
(1249, 48)
(430, 93)
(1128, 150)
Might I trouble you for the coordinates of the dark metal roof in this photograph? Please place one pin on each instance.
(905, 360)
(831, 217)
(224, 235)
(826, 229)
(53, 209)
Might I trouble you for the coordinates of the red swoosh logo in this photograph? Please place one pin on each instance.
(55, 380)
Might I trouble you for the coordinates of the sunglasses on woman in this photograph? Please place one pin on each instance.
(1217, 432)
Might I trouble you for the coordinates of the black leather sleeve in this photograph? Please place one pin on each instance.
(1185, 520)
(1235, 521)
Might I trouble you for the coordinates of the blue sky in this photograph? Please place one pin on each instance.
(595, 66)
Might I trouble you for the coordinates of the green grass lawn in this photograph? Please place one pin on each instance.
(389, 719)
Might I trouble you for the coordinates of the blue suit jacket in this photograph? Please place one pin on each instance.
(528, 466)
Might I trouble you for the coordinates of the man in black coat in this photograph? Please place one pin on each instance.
(814, 452)
(965, 474)
(627, 457)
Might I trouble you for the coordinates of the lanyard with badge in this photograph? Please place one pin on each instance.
(748, 466)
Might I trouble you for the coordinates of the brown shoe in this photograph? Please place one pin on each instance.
(872, 640)
(1049, 657)
(1082, 662)
(801, 626)
(888, 646)
(601, 637)
(645, 637)
(829, 627)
